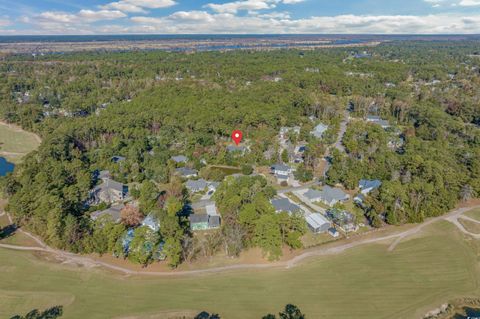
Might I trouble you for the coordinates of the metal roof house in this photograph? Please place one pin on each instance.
(319, 130)
(179, 159)
(317, 223)
(366, 186)
(113, 212)
(186, 172)
(151, 222)
(378, 120)
(284, 205)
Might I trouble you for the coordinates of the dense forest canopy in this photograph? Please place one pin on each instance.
(149, 106)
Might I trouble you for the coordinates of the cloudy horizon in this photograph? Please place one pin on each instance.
(64, 17)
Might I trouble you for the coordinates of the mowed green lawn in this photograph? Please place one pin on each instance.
(365, 282)
(16, 141)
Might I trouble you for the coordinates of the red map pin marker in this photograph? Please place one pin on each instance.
(237, 136)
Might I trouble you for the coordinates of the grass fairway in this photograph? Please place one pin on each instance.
(474, 213)
(365, 282)
(15, 143)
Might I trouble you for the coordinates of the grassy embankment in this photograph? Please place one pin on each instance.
(366, 282)
(16, 143)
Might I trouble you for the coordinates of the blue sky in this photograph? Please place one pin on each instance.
(238, 16)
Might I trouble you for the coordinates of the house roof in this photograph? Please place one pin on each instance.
(198, 218)
(330, 194)
(281, 167)
(284, 205)
(316, 220)
(114, 212)
(180, 159)
(319, 130)
(185, 171)
(312, 194)
(235, 148)
(110, 184)
(104, 174)
(369, 184)
(214, 221)
(211, 210)
(198, 184)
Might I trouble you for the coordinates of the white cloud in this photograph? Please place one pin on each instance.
(292, 1)
(229, 23)
(469, 3)
(80, 17)
(138, 5)
(248, 5)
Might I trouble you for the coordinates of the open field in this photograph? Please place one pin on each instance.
(15, 143)
(474, 213)
(437, 265)
(470, 226)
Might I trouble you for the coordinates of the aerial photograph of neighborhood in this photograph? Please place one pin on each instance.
(237, 159)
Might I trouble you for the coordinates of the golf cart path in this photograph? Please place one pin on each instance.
(70, 258)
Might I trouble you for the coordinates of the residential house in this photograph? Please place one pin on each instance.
(317, 223)
(359, 200)
(281, 169)
(179, 159)
(109, 191)
(319, 130)
(203, 221)
(186, 172)
(343, 219)
(366, 186)
(212, 210)
(285, 205)
(328, 195)
(104, 175)
(195, 186)
(237, 149)
(151, 222)
(378, 120)
(113, 212)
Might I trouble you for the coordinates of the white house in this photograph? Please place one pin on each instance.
(319, 130)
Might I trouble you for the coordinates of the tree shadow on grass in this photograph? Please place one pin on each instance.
(8, 231)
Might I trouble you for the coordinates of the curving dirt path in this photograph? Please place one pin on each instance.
(70, 258)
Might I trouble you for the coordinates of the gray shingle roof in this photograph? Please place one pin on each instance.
(312, 194)
(114, 212)
(198, 218)
(234, 148)
(214, 221)
(372, 184)
(330, 194)
(196, 185)
(281, 167)
(284, 205)
(319, 130)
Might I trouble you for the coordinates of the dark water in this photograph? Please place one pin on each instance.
(5, 166)
(468, 313)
